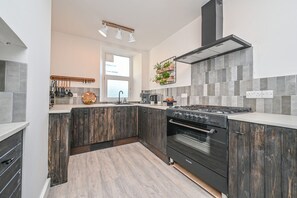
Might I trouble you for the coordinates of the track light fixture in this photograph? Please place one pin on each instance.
(104, 30)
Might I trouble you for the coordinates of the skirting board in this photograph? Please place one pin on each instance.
(198, 181)
(46, 188)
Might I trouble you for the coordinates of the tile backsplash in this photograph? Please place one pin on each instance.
(224, 81)
(77, 100)
(13, 88)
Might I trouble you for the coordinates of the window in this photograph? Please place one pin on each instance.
(117, 75)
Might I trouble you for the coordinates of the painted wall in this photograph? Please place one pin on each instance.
(271, 28)
(183, 41)
(31, 21)
(80, 56)
(75, 56)
(268, 25)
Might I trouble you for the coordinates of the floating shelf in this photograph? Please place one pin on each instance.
(74, 79)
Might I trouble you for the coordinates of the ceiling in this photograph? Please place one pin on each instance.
(153, 20)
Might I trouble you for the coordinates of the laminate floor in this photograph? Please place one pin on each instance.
(124, 171)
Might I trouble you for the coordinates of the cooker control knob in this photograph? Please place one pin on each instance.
(187, 115)
(196, 117)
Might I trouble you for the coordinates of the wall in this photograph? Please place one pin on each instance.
(81, 56)
(270, 26)
(75, 56)
(224, 81)
(31, 21)
(183, 41)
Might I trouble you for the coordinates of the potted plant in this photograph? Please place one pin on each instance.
(158, 68)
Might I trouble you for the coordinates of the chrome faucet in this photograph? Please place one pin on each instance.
(120, 96)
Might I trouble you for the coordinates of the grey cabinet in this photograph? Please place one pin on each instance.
(11, 166)
(262, 161)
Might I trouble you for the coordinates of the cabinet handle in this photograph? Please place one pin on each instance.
(240, 133)
(7, 161)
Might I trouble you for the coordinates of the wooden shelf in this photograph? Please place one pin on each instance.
(74, 79)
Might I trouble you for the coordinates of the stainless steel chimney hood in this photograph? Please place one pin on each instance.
(220, 47)
(212, 30)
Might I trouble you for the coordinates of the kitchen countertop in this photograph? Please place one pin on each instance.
(7, 130)
(68, 108)
(286, 121)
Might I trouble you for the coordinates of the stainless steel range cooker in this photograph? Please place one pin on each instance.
(197, 139)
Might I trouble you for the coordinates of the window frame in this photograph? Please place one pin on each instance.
(107, 77)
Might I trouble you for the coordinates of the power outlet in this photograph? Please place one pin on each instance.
(254, 94)
(267, 94)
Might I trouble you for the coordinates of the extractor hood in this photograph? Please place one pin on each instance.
(213, 43)
(8, 37)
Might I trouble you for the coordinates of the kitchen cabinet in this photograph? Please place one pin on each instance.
(58, 147)
(262, 160)
(152, 129)
(11, 166)
(102, 124)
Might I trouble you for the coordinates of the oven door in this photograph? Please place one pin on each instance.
(204, 144)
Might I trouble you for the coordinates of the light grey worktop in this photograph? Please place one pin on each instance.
(68, 108)
(286, 121)
(7, 130)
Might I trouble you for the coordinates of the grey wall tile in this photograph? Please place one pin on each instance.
(263, 84)
(212, 77)
(194, 100)
(260, 105)
(19, 107)
(219, 62)
(12, 78)
(286, 105)
(234, 101)
(218, 89)
(245, 85)
(224, 75)
(280, 86)
(256, 84)
(247, 72)
(236, 88)
(6, 104)
(23, 78)
(223, 89)
(271, 83)
(211, 89)
(215, 100)
(230, 86)
(276, 105)
(240, 72)
(205, 90)
(197, 90)
(290, 85)
(251, 103)
(268, 105)
(240, 101)
(2, 75)
(294, 105)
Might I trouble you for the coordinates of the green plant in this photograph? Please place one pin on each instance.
(167, 64)
(158, 66)
(166, 75)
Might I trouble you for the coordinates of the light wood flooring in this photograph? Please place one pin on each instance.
(124, 171)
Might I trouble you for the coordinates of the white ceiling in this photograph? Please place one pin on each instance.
(153, 20)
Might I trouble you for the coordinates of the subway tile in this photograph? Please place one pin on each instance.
(23, 78)
(294, 105)
(276, 105)
(211, 89)
(6, 104)
(263, 84)
(226, 61)
(256, 84)
(290, 85)
(217, 89)
(205, 91)
(286, 105)
(271, 84)
(260, 105)
(240, 72)
(268, 105)
(237, 88)
(2, 75)
(19, 107)
(230, 88)
(12, 78)
(280, 86)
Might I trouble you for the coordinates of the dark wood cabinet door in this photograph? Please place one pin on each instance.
(58, 147)
(80, 127)
(262, 161)
(125, 122)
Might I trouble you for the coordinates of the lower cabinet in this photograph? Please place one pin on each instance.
(58, 148)
(152, 127)
(102, 124)
(262, 161)
(11, 166)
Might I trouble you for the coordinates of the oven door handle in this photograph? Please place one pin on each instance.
(211, 131)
